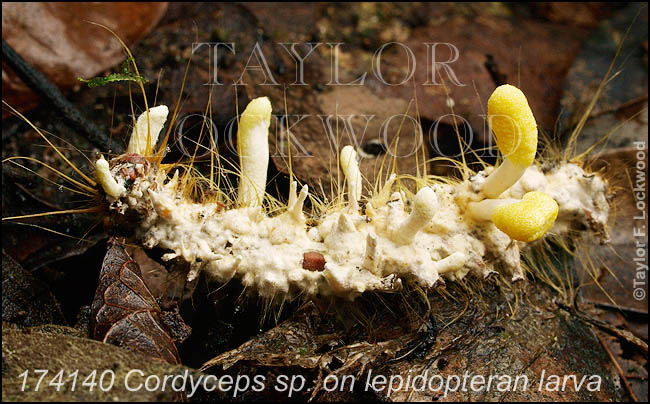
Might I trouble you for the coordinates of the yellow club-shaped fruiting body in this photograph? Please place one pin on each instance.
(253, 140)
(513, 124)
(515, 129)
(528, 219)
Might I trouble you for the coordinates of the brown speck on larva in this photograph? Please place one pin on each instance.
(313, 261)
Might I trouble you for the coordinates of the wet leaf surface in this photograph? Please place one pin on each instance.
(625, 94)
(615, 263)
(60, 350)
(618, 269)
(26, 300)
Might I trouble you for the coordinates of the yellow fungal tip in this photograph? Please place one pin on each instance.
(513, 124)
(256, 112)
(528, 219)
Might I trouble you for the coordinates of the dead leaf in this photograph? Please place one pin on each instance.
(57, 40)
(125, 313)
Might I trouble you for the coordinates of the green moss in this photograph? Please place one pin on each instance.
(124, 75)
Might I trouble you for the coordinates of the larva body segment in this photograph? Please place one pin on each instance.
(440, 233)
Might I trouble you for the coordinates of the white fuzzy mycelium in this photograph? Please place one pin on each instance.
(425, 237)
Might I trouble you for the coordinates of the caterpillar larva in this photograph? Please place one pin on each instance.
(445, 231)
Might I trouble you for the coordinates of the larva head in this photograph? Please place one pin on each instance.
(125, 180)
(513, 124)
(528, 219)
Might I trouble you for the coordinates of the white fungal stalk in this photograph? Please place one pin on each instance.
(502, 178)
(350, 167)
(147, 126)
(294, 206)
(106, 180)
(483, 210)
(344, 250)
(425, 206)
(253, 141)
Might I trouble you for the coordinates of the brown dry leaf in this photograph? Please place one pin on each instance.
(26, 300)
(292, 343)
(57, 39)
(62, 351)
(615, 262)
(481, 339)
(125, 313)
(296, 342)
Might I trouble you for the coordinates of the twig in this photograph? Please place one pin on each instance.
(623, 334)
(619, 107)
(618, 368)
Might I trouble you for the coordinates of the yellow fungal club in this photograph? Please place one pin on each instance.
(252, 137)
(528, 219)
(515, 129)
(513, 124)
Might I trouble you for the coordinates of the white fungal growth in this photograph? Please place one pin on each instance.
(350, 167)
(439, 234)
(147, 126)
(106, 180)
(294, 206)
(360, 251)
(425, 206)
(253, 143)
